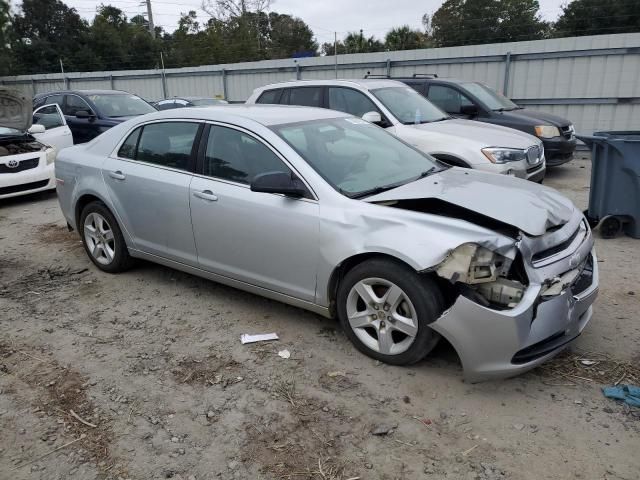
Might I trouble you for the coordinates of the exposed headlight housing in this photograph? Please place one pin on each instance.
(504, 155)
(547, 131)
(484, 272)
(52, 152)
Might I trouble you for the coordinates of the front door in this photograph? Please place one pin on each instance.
(85, 128)
(57, 133)
(148, 184)
(263, 239)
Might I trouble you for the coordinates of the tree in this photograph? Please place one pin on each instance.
(44, 32)
(464, 22)
(404, 38)
(594, 17)
(5, 51)
(225, 9)
(289, 35)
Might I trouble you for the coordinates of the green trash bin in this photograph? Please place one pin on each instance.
(614, 198)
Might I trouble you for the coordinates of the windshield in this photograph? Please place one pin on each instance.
(491, 98)
(202, 102)
(354, 156)
(123, 105)
(408, 106)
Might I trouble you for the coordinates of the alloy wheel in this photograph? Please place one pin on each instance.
(99, 238)
(382, 316)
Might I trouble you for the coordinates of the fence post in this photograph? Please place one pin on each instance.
(388, 67)
(298, 72)
(33, 87)
(163, 80)
(507, 70)
(111, 82)
(224, 84)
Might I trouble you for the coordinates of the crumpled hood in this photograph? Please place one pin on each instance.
(16, 109)
(530, 207)
(536, 118)
(484, 134)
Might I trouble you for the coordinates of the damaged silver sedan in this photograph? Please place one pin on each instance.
(327, 212)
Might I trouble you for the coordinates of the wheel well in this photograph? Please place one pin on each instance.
(451, 160)
(82, 202)
(341, 270)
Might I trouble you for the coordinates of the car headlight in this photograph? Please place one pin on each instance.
(547, 131)
(51, 155)
(504, 155)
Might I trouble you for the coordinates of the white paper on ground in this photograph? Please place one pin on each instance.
(260, 337)
(284, 353)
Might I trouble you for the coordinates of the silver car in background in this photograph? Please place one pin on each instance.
(327, 212)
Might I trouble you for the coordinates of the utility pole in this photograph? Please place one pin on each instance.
(335, 51)
(64, 79)
(152, 29)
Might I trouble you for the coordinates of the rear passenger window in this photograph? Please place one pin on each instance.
(128, 148)
(306, 96)
(167, 144)
(236, 156)
(270, 96)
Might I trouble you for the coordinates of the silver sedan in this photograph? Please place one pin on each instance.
(330, 213)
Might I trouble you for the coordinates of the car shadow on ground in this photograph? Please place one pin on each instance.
(26, 199)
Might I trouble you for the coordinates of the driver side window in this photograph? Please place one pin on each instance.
(350, 101)
(74, 104)
(48, 117)
(448, 99)
(238, 157)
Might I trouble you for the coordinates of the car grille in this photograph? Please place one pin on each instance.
(558, 249)
(533, 155)
(23, 187)
(20, 167)
(568, 132)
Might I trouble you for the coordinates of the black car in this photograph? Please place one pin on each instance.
(181, 102)
(474, 100)
(91, 112)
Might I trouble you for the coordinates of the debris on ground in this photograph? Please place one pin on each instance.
(629, 394)
(382, 429)
(260, 337)
(572, 368)
(284, 353)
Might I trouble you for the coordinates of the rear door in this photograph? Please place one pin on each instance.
(449, 99)
(148, 182)
(57, 133)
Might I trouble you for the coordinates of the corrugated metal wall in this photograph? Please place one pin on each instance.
(594, 81)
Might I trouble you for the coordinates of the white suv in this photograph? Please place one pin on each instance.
(414, 119)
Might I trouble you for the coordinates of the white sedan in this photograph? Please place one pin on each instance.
(29, 144)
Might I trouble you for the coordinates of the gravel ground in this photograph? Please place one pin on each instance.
(142, 376)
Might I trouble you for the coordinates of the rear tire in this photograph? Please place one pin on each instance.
(392, 324)
(102, 239)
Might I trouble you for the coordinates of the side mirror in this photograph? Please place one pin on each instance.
(84, 114)
(372, 117)
(36, 128)
(279, 182)
(469, 110)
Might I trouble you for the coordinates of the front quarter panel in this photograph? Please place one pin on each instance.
(420, 240)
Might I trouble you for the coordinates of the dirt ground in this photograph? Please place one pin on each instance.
(142, 376)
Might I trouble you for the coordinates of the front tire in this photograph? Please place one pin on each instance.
(103, 240)
(385, 309)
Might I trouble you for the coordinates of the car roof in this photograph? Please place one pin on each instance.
(266, 115)
(83, 92)
(364, 83)
(434, 79)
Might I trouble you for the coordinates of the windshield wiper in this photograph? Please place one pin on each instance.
(372, 191)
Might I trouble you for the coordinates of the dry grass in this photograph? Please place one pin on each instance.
(580, 367)
(208, 371)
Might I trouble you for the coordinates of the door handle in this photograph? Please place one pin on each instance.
(118, 175)
(206, 195)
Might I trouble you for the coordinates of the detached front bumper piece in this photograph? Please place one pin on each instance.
(503, 343)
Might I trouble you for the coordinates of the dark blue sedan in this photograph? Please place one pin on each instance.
(91, 112)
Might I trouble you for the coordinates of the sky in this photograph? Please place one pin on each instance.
(374, 17)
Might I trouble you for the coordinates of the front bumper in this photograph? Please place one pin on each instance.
(28, 181)
(559, 150)
(522, 169)
(503, 343)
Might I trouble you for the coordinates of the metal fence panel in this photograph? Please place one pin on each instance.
(594, 81)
